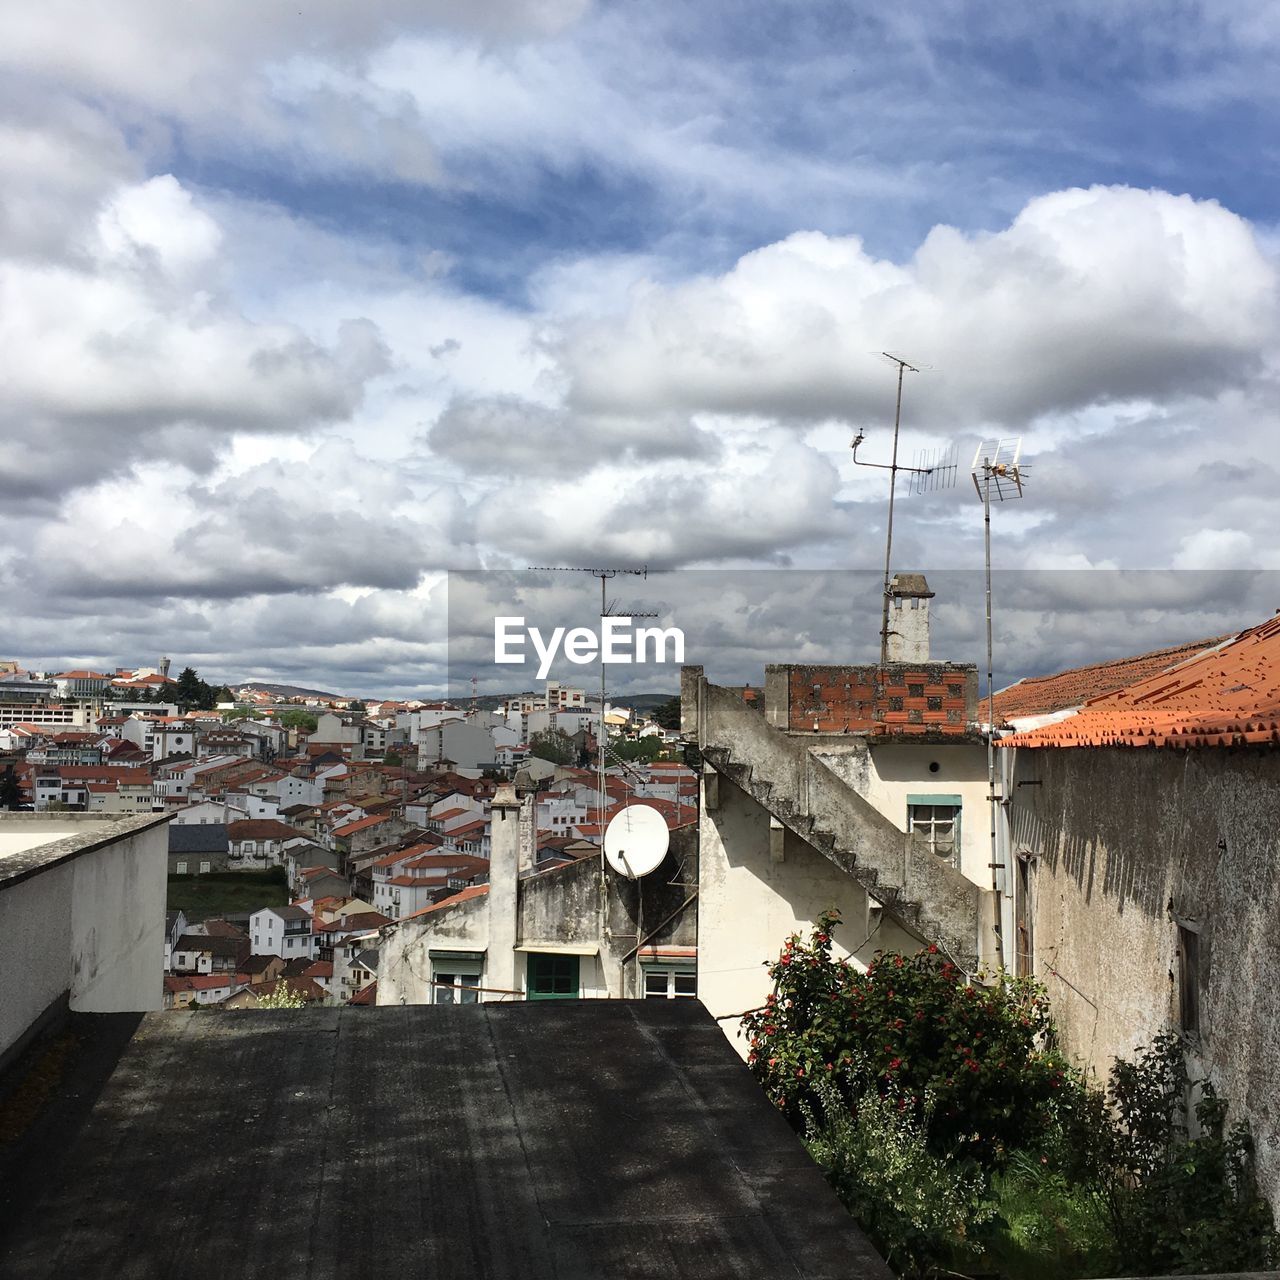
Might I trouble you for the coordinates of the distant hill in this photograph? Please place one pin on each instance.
(289, 691)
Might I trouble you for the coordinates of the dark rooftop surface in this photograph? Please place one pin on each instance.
(576, 1141)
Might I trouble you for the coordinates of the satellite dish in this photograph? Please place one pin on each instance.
(636, 840)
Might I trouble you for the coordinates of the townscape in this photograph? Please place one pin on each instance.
(342, 816)
(639, 641)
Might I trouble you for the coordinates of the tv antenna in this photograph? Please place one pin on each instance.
(997, 474)
(604, 574)
(935, 469)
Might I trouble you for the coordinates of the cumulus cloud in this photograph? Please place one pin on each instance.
(333, 520)
(511, 436)
(1087, 297)
(123, 352)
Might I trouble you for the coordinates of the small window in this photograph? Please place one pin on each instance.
(181, 869)
(670, 984)
(452, 987)
(1188, 981)
(938, 824)
(204, 867)
(553, 977)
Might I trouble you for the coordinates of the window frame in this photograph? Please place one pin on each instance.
(927, 828)
(671, 973)
(551, 962)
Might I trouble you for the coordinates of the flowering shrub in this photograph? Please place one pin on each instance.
(908, 1028)
(919, 1208)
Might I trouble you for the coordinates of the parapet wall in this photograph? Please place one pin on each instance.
(898, 699)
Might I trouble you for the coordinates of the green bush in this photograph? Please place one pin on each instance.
(918, 1208)
(1181, 1204)
(914, 1028)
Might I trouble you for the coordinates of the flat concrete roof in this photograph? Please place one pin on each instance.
(574, 1140)
(32, 842)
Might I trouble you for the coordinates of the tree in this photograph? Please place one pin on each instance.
(298, 719)
(241, 713)
(553, 745)
(357, 708)
(667, 716)
(647, 748)
(192, 693)
(393, 758)
(10, 789)
(283, 997)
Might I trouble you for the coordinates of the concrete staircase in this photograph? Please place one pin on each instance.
(926, 894)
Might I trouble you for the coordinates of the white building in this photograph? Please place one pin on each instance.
(282, 931)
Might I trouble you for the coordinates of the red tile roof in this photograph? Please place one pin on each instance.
(463, 895)
(260, 829)
(361, 824)
(1227, 696)
(366, 995)
(1043, 695)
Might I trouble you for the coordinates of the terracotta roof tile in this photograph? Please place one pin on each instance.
(463, 895)
(1225, 696)
(1043, 695)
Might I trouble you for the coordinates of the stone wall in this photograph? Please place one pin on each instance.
(1130, 850)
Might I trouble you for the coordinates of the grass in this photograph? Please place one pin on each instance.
(1046, 1228)
(219, 892)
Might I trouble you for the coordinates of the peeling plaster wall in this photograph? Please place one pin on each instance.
(749, 904)
(885, 775)
(1127, 843)
(82, 923)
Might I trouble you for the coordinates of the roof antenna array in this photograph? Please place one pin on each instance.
(997, 476)
(936, 470)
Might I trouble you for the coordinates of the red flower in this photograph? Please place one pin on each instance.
(895, 1063)
(799, 1072)
(932, 949)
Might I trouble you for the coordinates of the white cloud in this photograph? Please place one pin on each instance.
(1216, 549)
(1088, 297)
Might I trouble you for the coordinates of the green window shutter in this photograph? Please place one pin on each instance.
(553, 977)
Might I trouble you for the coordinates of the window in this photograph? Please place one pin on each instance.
(936, 820)
(1024, 916)
(666, 983)
(1188, 981)
(204, 867)
(553, 977)
(452, 986)
(181, 869)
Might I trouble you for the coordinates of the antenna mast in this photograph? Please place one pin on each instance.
(935, 471)
(996, 473)
(604, 575)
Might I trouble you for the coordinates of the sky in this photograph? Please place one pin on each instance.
(304, 308)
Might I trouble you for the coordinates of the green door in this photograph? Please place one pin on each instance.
(553, 977)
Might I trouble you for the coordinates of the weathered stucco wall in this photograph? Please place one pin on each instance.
(749, 904)
(117, 924)
(81, 918)
(556, 908)
(35, 950)
(887, 773)
(1127, 844)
